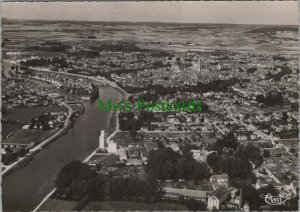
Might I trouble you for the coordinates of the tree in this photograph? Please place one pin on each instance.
(97, 188)
(79, 188)
(213, 160)
(193, 204)
(293, 204)
(186, 151)
(23, 152)
(4, 110)
(164, 163)
(272, 98)
(284, 117)
(266, 153)
(235, 167)
(251, 195)
(269, 189)
(32, 121)
(230, 140)
(45, 126)
(157, 159)
(293, 150)
(73, 173)
(169, 170)
(8, 157)
(218, 146)
(201, 171)
(160, 144)
(250, 152)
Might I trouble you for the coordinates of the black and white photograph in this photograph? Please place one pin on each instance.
(150, 106)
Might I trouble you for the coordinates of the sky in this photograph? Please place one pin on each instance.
(252, 12)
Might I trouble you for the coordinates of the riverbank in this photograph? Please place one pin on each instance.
(97, 79)
(82, 126)
(47, 197)
(81, 139)
(24, 160)
(115, 125)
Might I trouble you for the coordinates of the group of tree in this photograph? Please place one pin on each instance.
(77, 181)
(8, 157)
(162, 54)
(11, 155)
(251, 70)
(53, 47)
(254, 198)
(42, 119)
(284, 70)
(251, 153)
(85, 53)
(288, 133)
(166, 164)
(122, 46)
(94, 92)
(128, 121)
(266, 153)
(55, 61)
(4, 109)
(149, 96)
(270, 99)
(280, 57)
(228, 141)
(233, 158)
(192, 204)
(216, 85)
(233, 166)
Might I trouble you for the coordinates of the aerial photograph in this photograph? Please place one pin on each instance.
(150, 106)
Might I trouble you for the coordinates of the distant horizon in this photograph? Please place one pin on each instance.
(183, 12)
(141, 22)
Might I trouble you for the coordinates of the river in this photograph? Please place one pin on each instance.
(26, 187)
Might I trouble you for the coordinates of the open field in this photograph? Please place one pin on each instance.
(10, 127)
(25, 114)
(28, 136)
(58, 205)
(133, 206)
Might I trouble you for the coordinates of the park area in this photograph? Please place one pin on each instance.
(14, 119)
(25, 114)
(28, 137)
(58, 205)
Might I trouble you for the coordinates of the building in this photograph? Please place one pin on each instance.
(236, 199)
(175, 193)
(175, 147)
(102, 139)
(122, 154)
(144, 154)
(112, 147)
(218, 180)
(246, 207)
(229, 206)
(200, 155)
(216, 199)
